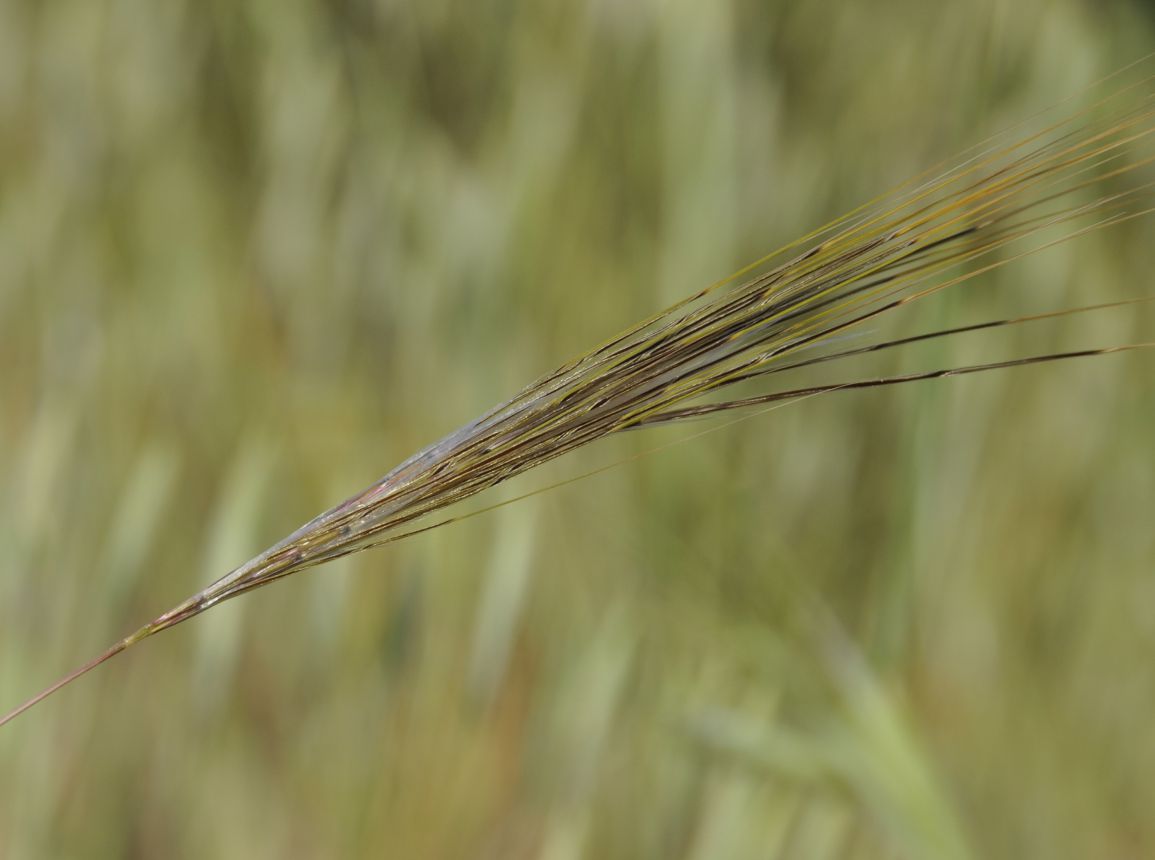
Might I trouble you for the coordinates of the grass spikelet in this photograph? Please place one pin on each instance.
(1008, 198)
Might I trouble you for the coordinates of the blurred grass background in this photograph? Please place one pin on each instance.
(254, 254)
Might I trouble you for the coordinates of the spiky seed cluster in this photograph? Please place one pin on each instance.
(789, 310)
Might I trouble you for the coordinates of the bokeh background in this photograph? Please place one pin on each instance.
(254, 254)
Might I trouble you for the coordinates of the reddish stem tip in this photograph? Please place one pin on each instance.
(66, 680)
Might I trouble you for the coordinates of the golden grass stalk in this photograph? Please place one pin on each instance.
(793, 309)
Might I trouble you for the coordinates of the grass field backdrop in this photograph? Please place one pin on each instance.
(254, 254)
